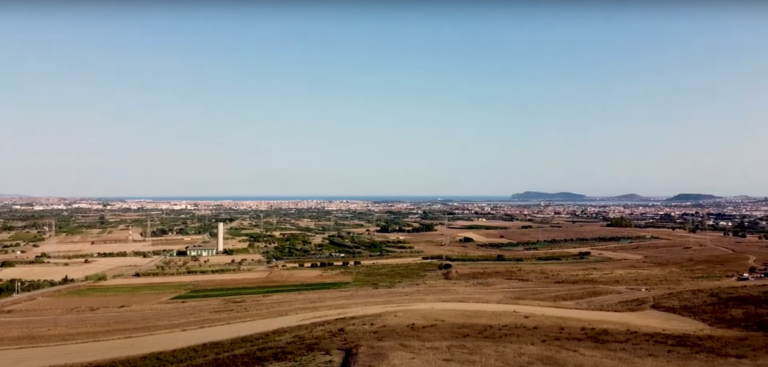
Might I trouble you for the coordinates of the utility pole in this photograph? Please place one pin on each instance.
(261, 224)
(53, 228)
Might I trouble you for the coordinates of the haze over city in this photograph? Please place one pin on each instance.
(118, 100)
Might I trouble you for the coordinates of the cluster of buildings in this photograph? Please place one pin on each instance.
(719, 212)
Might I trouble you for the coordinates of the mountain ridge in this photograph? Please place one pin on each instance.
(536, 195)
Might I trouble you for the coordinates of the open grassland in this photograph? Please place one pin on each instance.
(739, 308)
(252, 291)
(126, 290)
(683, 275)
(74, 269)
(390, 275)
(464, 338)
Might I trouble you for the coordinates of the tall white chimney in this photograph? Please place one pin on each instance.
(220, 241)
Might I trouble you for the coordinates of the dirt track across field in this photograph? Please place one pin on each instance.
(99, 350)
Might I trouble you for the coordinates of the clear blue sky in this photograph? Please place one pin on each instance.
(421, 100)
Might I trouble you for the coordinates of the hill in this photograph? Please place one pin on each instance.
(534, 195)
(630, 197)
(11, 196)
(692, 197)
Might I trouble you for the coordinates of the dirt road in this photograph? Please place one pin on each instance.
(98, 350)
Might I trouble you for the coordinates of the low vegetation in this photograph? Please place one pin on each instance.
(251, 291)
(739, 308)
(479, 227)
(373, 337)
(466, 258)
(620, 222)
(389, 275)
(561, 242)
(404, 227)
(127, 290)
(7, 288)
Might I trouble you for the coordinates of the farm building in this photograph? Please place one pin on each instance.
(202, 251)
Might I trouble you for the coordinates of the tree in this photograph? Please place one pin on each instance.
(620, 222)
(499, 257)
(752, 269)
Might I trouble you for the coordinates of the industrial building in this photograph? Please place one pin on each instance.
(201, 251)
(210, 250)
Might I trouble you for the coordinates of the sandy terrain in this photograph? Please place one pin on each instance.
(76, 269)
(98, 350)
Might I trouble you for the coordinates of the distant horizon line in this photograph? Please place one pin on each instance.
(224, 197)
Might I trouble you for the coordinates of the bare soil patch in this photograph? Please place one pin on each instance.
(76, 268)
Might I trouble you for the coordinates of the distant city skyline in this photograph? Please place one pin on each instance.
(411, 100)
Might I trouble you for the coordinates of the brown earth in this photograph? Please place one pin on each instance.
(642, 276)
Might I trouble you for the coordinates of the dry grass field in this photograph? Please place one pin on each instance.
(87, 247)
(75, 268)
(665, 302)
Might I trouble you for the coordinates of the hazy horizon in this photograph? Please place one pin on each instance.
(343, 100)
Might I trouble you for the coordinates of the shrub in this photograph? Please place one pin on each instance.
(301, 265)
(345, 263)
(96, 277)
(499, 257)
(444, 266)
(526, 227)
(7, 264)
(585, 253)
(752, 269)
(358, 263)
(86, 261)
(451, 274)
(314, 265)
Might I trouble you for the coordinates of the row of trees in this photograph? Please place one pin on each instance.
(422, 227)
(7, 288)
(324, 264)
(558, 241)
(620, 222)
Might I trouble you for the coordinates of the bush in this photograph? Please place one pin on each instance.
(345, 263)
(585, 253)
(301, 265)
(314, 265)
(98, 277)
(526, 227)
(451, 274)
(752, 269)
(7, 264)
(499, 257)
(358, 263)
(444, 266)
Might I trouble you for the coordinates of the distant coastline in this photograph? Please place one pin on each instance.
(309, 197)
